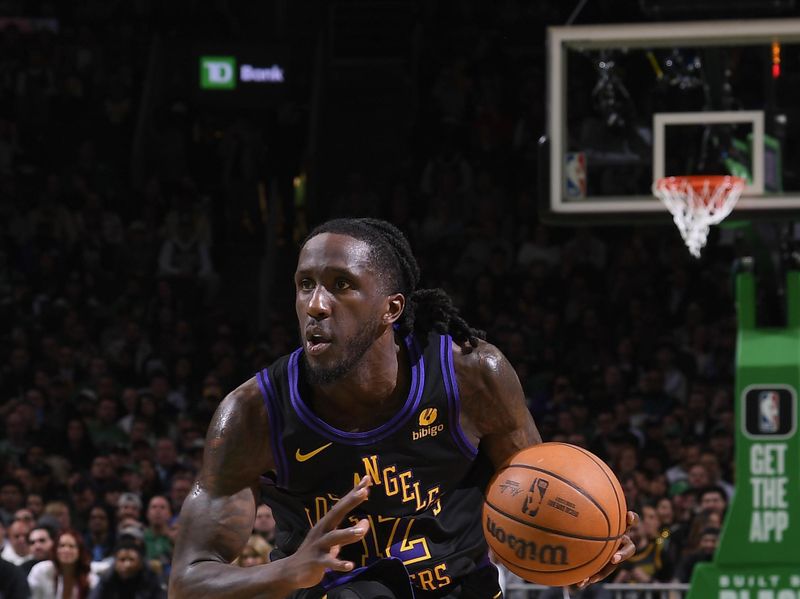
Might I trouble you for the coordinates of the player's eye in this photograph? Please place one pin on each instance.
(342, 284)
(306, 284)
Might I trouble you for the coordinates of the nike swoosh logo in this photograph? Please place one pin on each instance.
(302, 457)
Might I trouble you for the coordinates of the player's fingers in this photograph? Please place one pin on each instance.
(626, 549)
(633, 519)
(344, 536)
(609, 568)
(338, 565)
(346, 504)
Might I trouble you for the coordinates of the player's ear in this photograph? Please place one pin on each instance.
(395, 305)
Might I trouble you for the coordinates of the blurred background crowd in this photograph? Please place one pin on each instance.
(129, 301)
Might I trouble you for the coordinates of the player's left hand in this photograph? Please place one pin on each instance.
(625, 550)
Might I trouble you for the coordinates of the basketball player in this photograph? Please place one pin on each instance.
(375, 424)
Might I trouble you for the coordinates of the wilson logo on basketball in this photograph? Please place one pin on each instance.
(554, 555)
(533, 500)
(427, 427)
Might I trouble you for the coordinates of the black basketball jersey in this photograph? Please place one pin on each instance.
(425, 503)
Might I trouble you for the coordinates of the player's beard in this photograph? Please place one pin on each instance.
(355, 347)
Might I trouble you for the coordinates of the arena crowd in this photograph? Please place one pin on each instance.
(119, 338)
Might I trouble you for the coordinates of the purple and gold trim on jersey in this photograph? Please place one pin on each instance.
(275, 426)
(424, 507)
(453, 397)
(367, 437)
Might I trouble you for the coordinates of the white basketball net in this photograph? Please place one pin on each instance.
(696, 203)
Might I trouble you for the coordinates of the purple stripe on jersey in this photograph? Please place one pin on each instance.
(453, 398)
(336, 579)
(332, 579)
(275, 426)
(484, 561)
(367, 437)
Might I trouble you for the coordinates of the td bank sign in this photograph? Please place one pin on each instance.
(220, 72)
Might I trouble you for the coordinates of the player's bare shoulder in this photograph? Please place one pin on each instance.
(490, 391)
(237, 443)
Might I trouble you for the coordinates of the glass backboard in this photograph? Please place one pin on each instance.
(631, 103)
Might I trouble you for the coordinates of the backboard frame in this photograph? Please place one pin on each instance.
(755, 117)
(652, 35)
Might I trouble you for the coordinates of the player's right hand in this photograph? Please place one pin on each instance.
(320, 550)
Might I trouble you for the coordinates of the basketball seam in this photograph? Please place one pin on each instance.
(623, 520)
(550, 530)
(508, 562)
(572, 485)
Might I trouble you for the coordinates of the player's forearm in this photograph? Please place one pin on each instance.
(221, 580)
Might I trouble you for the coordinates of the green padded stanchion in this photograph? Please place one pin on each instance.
(759, 550)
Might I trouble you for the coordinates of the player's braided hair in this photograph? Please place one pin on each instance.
(426, 309)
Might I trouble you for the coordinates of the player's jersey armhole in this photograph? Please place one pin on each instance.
(275, 425)
(453, 398)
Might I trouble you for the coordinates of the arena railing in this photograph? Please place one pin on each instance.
(668, 590)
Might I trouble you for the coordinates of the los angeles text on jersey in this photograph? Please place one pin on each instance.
(399, 484)
(389, 536)
(402, 485)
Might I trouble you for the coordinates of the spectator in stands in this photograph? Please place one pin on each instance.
(710, 461)
(650, 562)
(705, 553)
(104, 430)
(78, 448)
(17, 550)
(101, 472)
(264, 524)
(166, 460)
(666, 515)
(156, 536)
(256, 552)
(99, 538)
(44, 483)
(41, 540)
(713, 500)
(689, 455)
(721, 443)
(697, 414)
(58, 511)
(69, 573)
(82, 497)
(130, 576)
(129, 506)
(675, 383)
(13, 584)
(12, 497)
(194, 455)
(684, 505)
(150, 481)
(697, 477)
(179, 489)
(185, 258)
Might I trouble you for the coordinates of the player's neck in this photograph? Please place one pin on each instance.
(379, 379)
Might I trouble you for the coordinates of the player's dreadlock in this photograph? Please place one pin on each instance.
(426, 309)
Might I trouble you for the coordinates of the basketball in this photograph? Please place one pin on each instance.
(554, 515)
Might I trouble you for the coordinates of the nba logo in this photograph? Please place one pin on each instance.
(575, 174)
(533, 500)
(769, 412)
